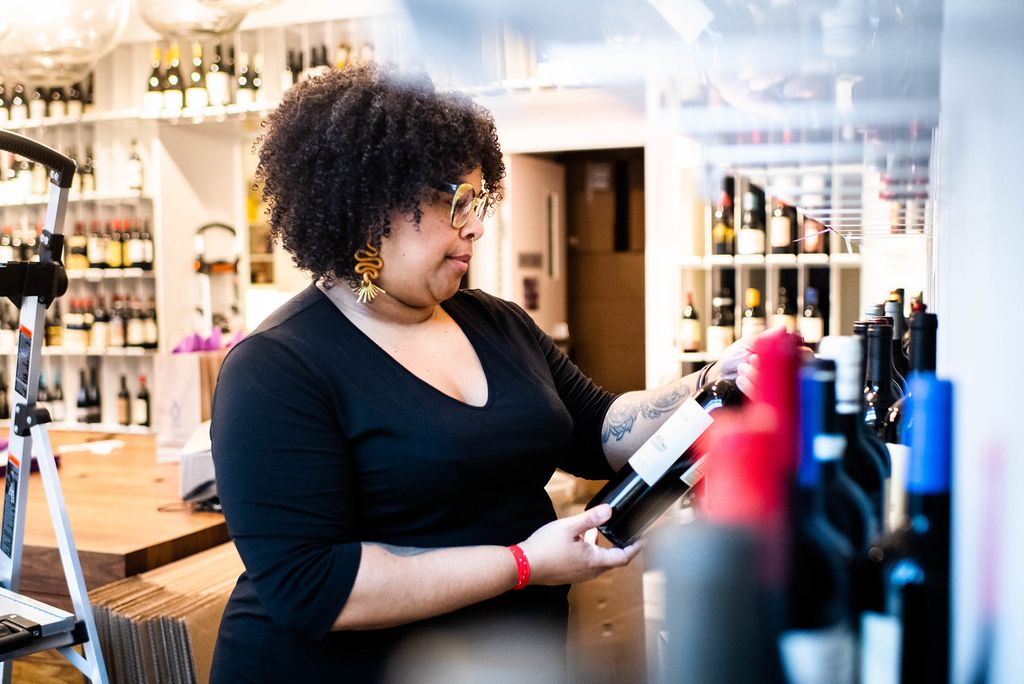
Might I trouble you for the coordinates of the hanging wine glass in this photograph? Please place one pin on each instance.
(188, 20)
(57, 43)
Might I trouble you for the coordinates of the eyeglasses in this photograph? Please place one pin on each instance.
(466, 202)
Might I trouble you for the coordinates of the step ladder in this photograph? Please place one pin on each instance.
(28, 626)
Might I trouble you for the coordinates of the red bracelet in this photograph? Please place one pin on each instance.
(522, 567)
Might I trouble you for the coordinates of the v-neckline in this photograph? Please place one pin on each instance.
(402, 368)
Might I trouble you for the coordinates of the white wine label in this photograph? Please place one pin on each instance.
(752, 326)
(896, 499)
(812, 329)
(881, 636)
(719, 337)
(153, 101)
(696, 472)
(670, 440)
(750, 241)
(174, 100)
(781, 231)
(689, 334)
(218, 88)
(814, 656)
(786, 320)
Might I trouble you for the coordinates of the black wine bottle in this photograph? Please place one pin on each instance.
(688, 334)
(667, 466)
(723, 234)
(860, 462)
(879, 391)
(923, 328)
(818, 639)
(894, 310)
(848, 508)
(124, 403)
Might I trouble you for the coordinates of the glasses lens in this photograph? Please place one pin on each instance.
(483, 204)
(462, 205)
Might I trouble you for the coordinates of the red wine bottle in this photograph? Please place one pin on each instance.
(667, 466)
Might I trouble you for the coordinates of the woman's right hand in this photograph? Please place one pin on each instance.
(558, 553)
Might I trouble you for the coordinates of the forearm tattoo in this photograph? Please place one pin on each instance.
(651, 405)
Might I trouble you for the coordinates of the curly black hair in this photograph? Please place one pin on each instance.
(346, 148)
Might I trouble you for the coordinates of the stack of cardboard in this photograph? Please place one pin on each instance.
(161, 626)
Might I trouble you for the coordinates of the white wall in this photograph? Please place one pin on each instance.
(980, 280)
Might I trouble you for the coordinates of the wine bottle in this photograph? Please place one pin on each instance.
(894, 310)
(19, 103)
(37, 104)
(57, 412)
(288, 73)
(124, 403)
(818, 643)
(82, 409)
(923, 328)
(910, 626)
(847, 507)
(135, 327)
(94, 396)
(140, 408)
(96, 247)
(664, 468)
(151, 331)
(117, 324)
(243, 85)
(723, 235)
(58, 103)
(135, 170)
(113, 240)
(785, 312)
(174, 84)
(147, 246)
(196, 95)
(87, 174)
(750, 237)
(722, 328)
(99, 335)
(812, 323)
(753, 322)
(688, 335)
(815, 237)
(89, 94)
(879, 390)
(77, 256)
(861, 462)
(781, 227)
(153, 100)
(76, 105)
(218, 84)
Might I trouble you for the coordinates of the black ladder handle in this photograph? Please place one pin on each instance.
(62, 169)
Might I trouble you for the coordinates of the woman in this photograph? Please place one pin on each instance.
(383, 440)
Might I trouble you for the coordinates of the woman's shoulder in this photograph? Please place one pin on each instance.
(282, 335)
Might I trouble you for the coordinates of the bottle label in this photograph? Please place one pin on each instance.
(750, 241)
(140, 412)
(881, 637)
(153, 101)
(812, 329)
(810, 656)
(896, 501)
(218, 88)
(695, 473)
(781, 231)
(719, 337)
(668, 443)
(689, 334)
(752, 326)
(786, 320)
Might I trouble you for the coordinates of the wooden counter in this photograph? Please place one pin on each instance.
(126, 517)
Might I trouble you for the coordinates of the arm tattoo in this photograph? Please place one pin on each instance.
(650, 405)
(401, 550)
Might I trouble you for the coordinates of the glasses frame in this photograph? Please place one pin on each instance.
(478, 204)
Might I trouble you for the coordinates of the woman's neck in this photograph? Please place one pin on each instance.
(384, 309)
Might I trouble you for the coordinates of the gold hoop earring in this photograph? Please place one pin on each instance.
(368, 265)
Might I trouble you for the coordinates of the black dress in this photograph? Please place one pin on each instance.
(321, 441)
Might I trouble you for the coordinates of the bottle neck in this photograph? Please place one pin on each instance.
(922, 343)
(879, 371)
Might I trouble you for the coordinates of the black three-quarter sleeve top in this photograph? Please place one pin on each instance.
(321, 441)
